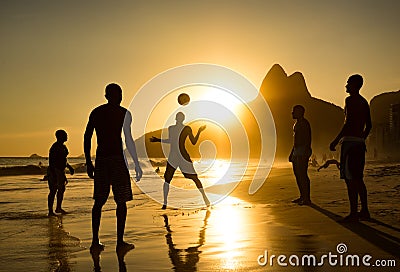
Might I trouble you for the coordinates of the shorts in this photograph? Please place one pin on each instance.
(352, 160)
(56, 179)
(112, 172)
(186, 168)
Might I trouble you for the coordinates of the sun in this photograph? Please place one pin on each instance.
(222, 104)
(204, 102)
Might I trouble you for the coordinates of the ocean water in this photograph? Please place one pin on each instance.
(23, 161)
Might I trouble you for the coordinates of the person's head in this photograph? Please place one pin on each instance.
(354, 84)
(61, 136)
(298, 112)
(180, 117)
(114, 93)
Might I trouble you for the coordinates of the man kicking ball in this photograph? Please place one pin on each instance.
(179, 157)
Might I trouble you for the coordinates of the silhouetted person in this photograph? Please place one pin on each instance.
(179, 157)
(355, 130)
(56, 172)
(301, 153)
(109, 120)
(185, 259)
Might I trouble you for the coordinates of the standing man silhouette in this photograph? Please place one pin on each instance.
(179, 157)
(355, 130)
(109, 120)
(301, 153)
(55, 172)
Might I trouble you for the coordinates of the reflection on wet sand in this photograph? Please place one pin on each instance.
(61, 244)
(185, 259)
(120, 255)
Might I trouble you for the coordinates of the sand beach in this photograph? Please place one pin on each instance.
(234, 235)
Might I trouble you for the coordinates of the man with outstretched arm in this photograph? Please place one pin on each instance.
(179, 157)
(110, 170)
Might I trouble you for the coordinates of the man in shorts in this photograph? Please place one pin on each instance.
(300, 154)
(355, 130)
(179, 157)
(109, 120)
(55, 172)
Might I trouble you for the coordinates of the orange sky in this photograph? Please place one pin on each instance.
(57, 56)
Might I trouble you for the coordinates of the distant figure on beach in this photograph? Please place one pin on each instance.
(329, 162)
(355, 130)
(109, 120)
(301, 153)
(179, 157)
(55, 172)
(313, 161)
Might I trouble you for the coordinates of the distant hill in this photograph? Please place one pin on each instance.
(35, 156)
(282, 92)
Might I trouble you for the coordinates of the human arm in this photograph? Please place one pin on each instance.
(71, 169)
(368, 123)
(130, 144)
(192, 138)
(290, 158)
(335, 142)
(155, 139)
(87, 145)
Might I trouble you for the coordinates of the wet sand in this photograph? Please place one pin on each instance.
(228, 237)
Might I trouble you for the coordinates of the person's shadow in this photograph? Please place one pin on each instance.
(185, 259)
(385, 241)
(120, 255)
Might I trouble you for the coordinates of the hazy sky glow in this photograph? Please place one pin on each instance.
(57, 56)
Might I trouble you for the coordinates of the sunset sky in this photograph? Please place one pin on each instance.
(57, 56)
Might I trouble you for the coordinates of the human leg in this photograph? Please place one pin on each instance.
(304, 180)
(96, 217)
(121, 219)
(199, 186)
(61, 181)
(50, 201)
(353, 196)
(169, 173)
(122, 246)
(362, 192)
(296, 173)
(60, 197)
(52, 182)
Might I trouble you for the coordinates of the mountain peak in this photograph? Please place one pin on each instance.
(276, 71)
(278, 85)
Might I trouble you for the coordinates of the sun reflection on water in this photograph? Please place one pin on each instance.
(229, 235)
